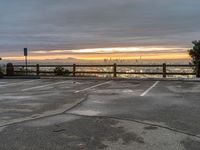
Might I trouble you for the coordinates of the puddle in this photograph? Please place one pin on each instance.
(51, 120)
(86, 112)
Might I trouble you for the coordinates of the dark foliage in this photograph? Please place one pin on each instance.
(195, 52)
(60, 71)
(195, 55)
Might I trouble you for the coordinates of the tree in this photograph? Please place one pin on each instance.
(195, 55)
(195, 52)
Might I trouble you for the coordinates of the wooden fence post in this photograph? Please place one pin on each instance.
(38, 69)
(164, 70)
(198, 70)
(74, 70)
(114, 70)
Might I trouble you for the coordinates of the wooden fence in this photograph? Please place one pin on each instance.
(36, 69)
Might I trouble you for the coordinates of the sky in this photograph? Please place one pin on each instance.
(97, 28)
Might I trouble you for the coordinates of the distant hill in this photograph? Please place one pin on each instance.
(71, 59)
(63, 59)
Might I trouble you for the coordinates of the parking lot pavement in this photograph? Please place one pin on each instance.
(28, 99)
(90, 114)
(172, 104)
(71, 132)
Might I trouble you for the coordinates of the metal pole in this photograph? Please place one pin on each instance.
(26, 65)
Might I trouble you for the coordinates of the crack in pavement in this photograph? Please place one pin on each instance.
(45, 116)
(103, 116)
(140, 122)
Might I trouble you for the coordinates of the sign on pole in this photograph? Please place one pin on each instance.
(25, 52)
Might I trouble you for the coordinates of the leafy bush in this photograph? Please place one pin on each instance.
(60, 71)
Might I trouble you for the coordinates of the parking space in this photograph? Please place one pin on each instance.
(99, 114)
(27, 99)
(174, 104)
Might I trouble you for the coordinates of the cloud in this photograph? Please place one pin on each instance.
(77, 24)
(115, 50)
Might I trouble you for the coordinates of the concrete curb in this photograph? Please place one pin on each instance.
(124, 79)
(100, 78)
(20, 77)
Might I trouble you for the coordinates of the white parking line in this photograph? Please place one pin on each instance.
(43, 86)
(16, 83)
(92, 87)
(149, 89)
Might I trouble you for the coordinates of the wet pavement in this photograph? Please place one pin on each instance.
(59, 114)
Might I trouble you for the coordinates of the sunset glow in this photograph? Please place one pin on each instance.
(110, 50)
(107, 53)
(127, 56)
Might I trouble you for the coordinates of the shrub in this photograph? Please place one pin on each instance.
(60, 71)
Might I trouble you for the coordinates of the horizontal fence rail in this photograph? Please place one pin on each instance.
(73, 69)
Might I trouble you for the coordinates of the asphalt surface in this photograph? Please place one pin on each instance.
(60, 114)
